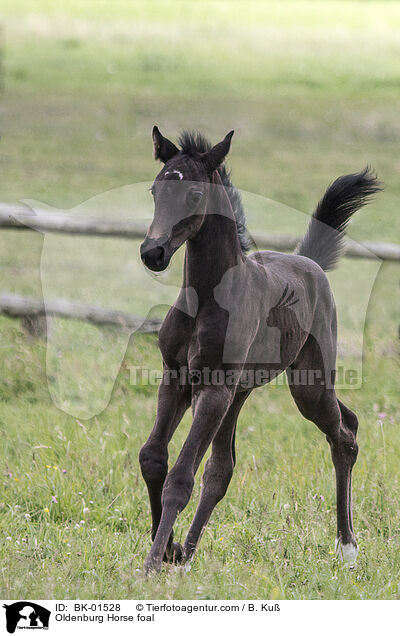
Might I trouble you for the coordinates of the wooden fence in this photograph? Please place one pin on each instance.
(33, 312)
(19, 217)
(15, 306)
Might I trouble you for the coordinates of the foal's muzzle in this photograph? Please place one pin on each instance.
(155, 253)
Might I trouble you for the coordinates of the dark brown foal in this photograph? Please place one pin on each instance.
(238, 322)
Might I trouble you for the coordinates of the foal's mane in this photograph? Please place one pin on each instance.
(193, 143)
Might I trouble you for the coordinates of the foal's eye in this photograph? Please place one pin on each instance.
(193, 198)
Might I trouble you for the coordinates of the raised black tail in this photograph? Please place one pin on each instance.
(324, 240)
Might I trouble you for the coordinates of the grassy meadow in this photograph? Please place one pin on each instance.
(312, 90)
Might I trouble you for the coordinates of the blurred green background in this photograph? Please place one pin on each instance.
(312, 90)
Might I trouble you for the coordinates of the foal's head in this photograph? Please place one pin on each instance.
(180, 193)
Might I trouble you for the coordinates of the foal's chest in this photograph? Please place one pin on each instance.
(193, 342)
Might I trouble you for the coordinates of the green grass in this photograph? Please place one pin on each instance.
(268, 538)
(311, 89)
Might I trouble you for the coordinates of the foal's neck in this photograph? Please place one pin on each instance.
(212, 251)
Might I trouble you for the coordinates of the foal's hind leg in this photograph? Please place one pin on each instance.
(346, 546)
(217, 474)
(320, 405)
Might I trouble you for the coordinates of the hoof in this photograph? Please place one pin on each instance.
(346, 552)
(174, 554)
(151, 566)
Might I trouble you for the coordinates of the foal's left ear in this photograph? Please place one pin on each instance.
(214, 157)
(164, 149)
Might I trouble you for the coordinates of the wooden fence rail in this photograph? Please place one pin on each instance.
(32, 312)
(19, 217)
(34, 315)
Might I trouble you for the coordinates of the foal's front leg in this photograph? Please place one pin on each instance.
(217, 474)
(173, 401)
(210, 406)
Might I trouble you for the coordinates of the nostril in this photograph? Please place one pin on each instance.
(154, 256)
(158, 255)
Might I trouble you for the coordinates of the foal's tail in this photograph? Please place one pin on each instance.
(324, 240)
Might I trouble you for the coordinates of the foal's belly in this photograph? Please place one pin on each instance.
(270, 354)
(223, 345)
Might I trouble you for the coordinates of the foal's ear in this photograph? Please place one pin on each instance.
(164, 149)
(214, 157)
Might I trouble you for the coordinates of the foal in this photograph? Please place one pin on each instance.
(244, 319)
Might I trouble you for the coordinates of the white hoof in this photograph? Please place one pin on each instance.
(346, 552)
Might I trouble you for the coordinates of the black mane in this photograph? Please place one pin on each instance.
(193, 143)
